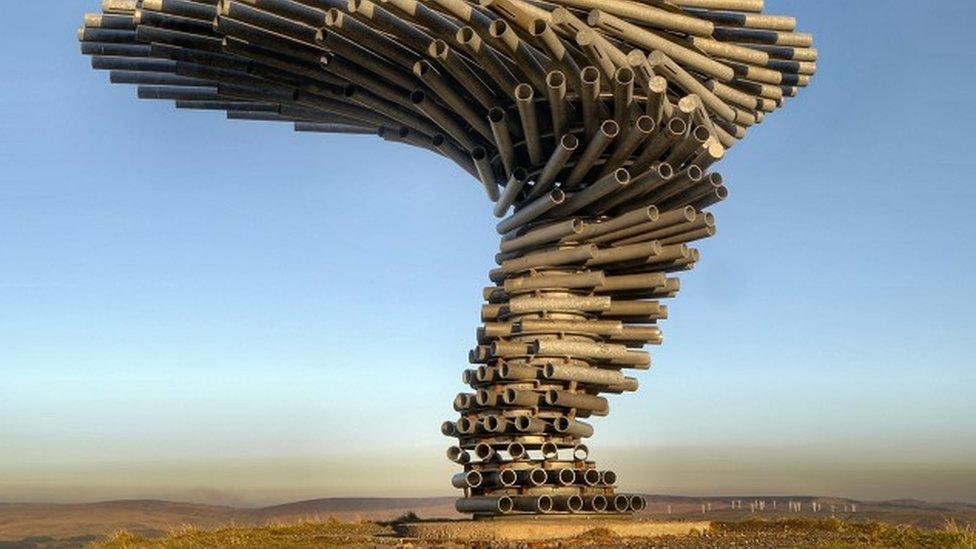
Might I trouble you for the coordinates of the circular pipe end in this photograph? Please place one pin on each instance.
(517, 451)
(556, 79)
(497, 28)
(624, 75)
(484, 451)
(566, 477)
(621, 503)
(637, 503)
(599, 503)
(574, 504)
(677, 126)
(538, 27)
(544, 504)
(665, 171)
(590, 75)
(496, 114)
(645, 124)
(591, 477)
(465, 35)
(537, 477)
(524, 92)
(549, 450)
(569, 142)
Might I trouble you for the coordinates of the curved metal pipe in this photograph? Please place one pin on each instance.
(516, 183)
(637, 134)
(485, 172)
(533, 504)
(542, 235)
(674, 130)
(445, 90)
(643, 183)
(498, 119)
(570, 504)
(458, 455)
(468, 479)
(525, 62)
(571, 427)
(503, 79)
(596, 51)
(459, 69)
(501, 505)
(623, 95)
(610, 183)
(556, 94)
(609, 130)
(525, 101)
(531, 211)
(590, 102)
(554, 46)
(557, 161)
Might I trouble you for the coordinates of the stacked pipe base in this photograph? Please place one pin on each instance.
(574, 303)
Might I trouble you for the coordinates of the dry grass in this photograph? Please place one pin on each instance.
(330, 533)
(838, 534)
(809, 533)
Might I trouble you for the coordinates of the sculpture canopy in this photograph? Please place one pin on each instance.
(511, 90)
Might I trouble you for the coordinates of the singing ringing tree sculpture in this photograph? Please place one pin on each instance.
(593, 126)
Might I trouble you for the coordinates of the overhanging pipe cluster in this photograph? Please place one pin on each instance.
(592, 125)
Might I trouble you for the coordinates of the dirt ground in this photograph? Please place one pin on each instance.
(759, 534)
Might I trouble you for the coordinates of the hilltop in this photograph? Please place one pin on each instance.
(83, 522)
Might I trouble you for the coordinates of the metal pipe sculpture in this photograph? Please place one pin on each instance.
(592, 125)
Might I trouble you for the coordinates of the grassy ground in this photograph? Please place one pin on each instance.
(803, 533)
(322, 534)
(837, 534)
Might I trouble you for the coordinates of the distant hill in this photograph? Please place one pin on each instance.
(152, 518)
(356, 508)
(81, 522)
(145, 517)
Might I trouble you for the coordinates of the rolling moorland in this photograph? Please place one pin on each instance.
(74, 525)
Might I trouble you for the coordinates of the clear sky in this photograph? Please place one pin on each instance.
(208, 310)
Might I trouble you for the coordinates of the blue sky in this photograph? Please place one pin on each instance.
(214, 310)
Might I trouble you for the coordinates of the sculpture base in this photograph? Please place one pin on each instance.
(554, 517)
(546, 527)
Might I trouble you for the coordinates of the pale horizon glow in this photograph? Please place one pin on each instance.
(227, 312)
